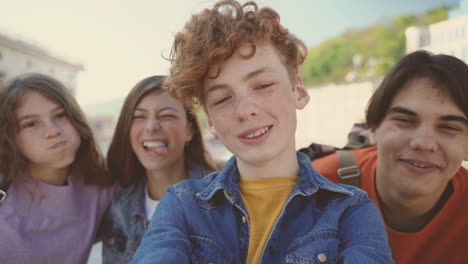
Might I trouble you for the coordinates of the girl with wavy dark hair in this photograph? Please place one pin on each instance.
(157, 143)
(54, 188)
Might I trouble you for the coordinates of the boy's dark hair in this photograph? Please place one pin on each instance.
(446, 72)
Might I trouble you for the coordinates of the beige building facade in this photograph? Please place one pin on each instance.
(446, 37)
(18, 57)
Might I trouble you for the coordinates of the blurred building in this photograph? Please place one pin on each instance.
(103, 129)
(447, 37)
(19, 57)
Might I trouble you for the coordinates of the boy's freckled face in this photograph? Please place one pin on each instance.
(252, 105)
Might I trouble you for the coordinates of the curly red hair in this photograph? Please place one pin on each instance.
(213, 35)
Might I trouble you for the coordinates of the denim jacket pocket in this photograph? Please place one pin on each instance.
(117, 246)
(116, 240)
(319, 246)
(205, 250)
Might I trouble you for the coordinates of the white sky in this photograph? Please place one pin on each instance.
(120, 42)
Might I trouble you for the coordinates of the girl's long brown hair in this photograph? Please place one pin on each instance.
(122, 162)
(89, 162)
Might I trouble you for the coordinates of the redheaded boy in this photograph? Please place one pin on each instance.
(268, 205)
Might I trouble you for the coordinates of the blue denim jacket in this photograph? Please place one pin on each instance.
(205, 221)
(125, 221)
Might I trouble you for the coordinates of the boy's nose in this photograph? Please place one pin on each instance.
(423, 141)
(247, 108)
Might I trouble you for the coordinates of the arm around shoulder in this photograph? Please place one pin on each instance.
(166, 240)
(364, 235)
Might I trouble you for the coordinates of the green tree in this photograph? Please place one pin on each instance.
(331, 60)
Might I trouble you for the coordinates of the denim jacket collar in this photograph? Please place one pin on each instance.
(133, 197)
(310, 181)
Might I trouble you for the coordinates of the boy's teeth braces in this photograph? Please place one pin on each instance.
(258, 133)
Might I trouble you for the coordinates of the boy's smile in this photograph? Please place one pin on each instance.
(256, 134)
(252, 105)
(421, 141)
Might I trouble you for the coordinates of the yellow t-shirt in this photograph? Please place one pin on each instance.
(264, 200)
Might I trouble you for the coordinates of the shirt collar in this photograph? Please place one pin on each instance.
(310, 181)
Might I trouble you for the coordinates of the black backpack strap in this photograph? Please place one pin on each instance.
(315, 150)
(348, 172)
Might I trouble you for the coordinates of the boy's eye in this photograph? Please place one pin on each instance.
(449, 128)
(138, 117)
(221, 100)
(403, 120)
(263, 86)
(61, 115)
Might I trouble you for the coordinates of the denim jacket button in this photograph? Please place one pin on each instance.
(322, 257)
(271, 250)
(244, 219)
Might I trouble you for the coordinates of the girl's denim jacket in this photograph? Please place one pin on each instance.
(205, 221)
(125, 221)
